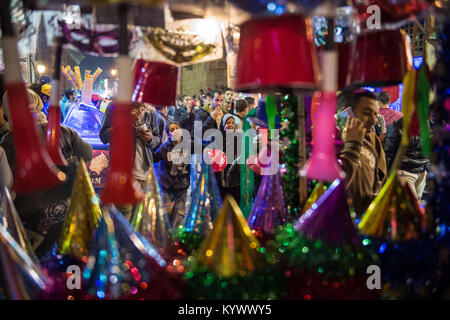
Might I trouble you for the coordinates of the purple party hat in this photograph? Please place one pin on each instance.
(268, 211)
(329, 218)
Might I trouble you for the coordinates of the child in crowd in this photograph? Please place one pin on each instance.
(175, 174)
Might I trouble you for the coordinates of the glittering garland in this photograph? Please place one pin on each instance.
(317, 270)
(266, 283)
(290, 156)
(328, 260)
(187, 241)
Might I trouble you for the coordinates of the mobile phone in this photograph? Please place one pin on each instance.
(343, 115)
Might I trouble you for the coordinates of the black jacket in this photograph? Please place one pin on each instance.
(149, 119)
(173, 176)
(414, 160)
(73, 148)
(185, 119)
(231, 175)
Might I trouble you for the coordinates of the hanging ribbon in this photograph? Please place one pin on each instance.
(408, 103)
(423, 108)
(247, 176)
(271, 110)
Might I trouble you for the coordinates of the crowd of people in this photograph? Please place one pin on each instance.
(371, 138)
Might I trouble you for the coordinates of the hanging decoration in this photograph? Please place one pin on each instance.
(155, 83)
(390, 10)
(184, 42)
(53, 134)
(290, 154)
(372, 65)
(322, 164)
(34, 170)
(277, 53)
(121, 187)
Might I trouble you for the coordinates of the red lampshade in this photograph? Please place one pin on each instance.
(155, 83)
(379, 58)
(277, 53)
(344, 51)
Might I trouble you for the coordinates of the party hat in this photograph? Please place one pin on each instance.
(122, 264)
(317, 192)
(394, 213)
(10, 219)
(149, 217)
(82, 218)
(329, 218)
(205, 205)
(268, 211)
(20, 277)
(230, 248)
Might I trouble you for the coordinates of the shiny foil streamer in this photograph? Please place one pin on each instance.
(122, 264)
(82, 218)
(20, 277)
(269, 210)
(329, 218)
(205, 205)
(150, 218)
(10, 219)
(394, 214)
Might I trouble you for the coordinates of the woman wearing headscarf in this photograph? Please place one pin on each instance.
(229, 179)
(43, 212)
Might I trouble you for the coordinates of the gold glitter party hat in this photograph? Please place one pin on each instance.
(395, 213)
(82, 218)
(230, 249)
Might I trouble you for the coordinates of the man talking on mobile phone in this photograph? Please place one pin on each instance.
(362, 154)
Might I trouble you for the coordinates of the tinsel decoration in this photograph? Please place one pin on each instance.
(150, 218)
(322, 256)
(315, 269)
(122, 264)
(290, 154)
(20, 277)
(230, 263)
(82, 217)
(9, 218)
(268, 211)
(205, 205)
(316, 193)
(329, 218)
(394, 214)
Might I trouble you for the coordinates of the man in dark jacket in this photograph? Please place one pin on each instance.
(185, 114)
(362, 154)
(146, 132)
(210, 116)
(413, 168)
